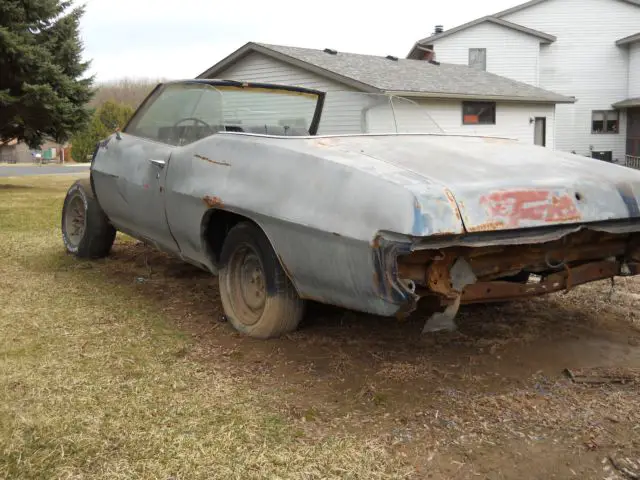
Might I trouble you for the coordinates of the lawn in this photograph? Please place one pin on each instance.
(125, 368)
(95, 382)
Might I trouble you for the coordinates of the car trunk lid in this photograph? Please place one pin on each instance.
(501, 184)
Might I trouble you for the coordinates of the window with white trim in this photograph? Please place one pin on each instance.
(478, 113)
(478, 58)
(605, 121)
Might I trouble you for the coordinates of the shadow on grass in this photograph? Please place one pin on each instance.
(9, 186)
(163, 279)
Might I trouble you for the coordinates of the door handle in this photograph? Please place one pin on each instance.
(157, 163)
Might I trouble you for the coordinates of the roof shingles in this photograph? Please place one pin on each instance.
(418, 76)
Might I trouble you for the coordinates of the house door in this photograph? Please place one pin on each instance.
(540, 131)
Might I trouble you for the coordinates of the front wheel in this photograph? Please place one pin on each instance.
(86, 231)
(258, 297)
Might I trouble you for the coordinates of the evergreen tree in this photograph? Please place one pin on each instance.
(42, 89)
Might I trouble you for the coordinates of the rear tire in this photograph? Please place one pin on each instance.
(86, 231)
(258, 298)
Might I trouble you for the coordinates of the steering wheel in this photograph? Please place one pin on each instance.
(196, 120)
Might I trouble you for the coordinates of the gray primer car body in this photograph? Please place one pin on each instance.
(339, 209)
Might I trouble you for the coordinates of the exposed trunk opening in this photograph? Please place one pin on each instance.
(498, 273)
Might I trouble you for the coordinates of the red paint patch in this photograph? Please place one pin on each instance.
(515, 207)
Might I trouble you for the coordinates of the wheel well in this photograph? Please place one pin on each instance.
(215, 227)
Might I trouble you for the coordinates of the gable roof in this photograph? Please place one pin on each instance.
(497, 19)
(531, 3)
(629, 40)
(544, 37)
(419, 78)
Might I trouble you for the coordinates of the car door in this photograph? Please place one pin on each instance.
(130, 170)
(139, 168)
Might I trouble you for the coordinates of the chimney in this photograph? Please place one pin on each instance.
(439, 29)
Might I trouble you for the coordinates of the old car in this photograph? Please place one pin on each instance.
(380, 216)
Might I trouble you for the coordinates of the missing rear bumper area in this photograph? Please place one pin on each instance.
(452, 276)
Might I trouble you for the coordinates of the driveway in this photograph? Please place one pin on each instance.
(31, 170)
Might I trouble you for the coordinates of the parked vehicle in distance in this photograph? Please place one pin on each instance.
(233, 177)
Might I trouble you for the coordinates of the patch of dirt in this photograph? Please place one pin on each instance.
(488, 401)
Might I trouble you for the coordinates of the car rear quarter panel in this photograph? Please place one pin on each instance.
(321, 210)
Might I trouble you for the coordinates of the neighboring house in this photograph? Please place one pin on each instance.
(13, 151)
(589, 49)
(459, 99)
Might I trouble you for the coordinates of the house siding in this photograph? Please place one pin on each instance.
(583, 62)
(346, 109)
(634, 70)
(586, 63)
(510, 53)
(512, 120)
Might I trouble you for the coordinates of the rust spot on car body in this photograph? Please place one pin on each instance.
(513, 207)
(212, 201)
(486, 292)
(452, 201)
(485, 227)
(438, 275)
(323, 142)
(217, 162)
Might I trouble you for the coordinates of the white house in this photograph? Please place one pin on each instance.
(457, 98)
(589, 49)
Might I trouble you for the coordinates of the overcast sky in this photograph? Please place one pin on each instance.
(142, 39)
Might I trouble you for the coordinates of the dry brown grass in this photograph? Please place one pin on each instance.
(120, 369)
(96, 383)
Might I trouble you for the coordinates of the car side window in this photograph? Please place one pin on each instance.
(179, 114)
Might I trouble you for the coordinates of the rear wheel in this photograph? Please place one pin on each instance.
(86, 231)
(258, 297)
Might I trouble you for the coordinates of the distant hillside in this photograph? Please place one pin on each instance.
(127, 91)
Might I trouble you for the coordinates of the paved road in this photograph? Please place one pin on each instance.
(29, 170)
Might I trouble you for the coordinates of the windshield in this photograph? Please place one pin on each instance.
(357, 112)
(182, 113)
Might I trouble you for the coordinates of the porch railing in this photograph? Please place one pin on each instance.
(632, 162)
